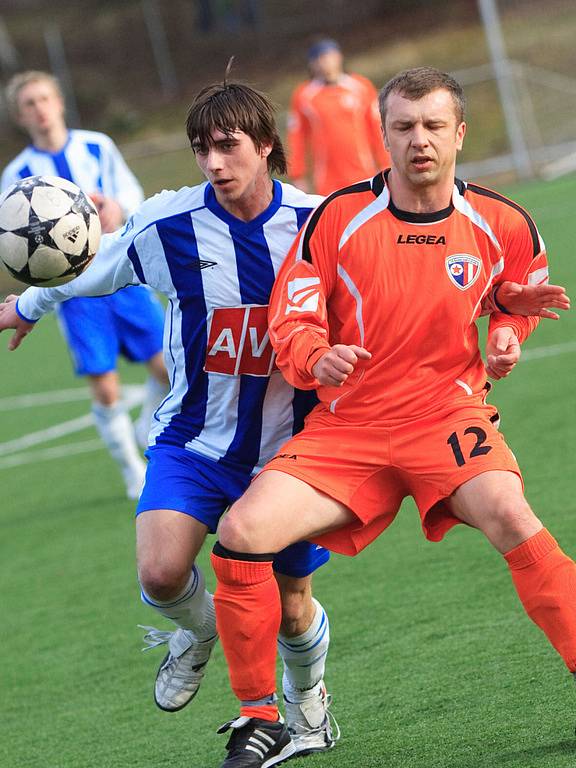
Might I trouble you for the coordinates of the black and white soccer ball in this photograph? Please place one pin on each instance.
(49, 230)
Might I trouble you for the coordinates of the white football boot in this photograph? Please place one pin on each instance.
(182, 669)
(310, 723)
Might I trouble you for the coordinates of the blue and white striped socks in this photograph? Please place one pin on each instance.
(304, 656)
(193, 609)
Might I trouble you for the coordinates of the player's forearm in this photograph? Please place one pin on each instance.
(297, 356)
(104, 276)
(522, 326)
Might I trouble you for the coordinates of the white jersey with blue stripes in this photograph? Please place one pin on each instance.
(227, 401)
(89, 159)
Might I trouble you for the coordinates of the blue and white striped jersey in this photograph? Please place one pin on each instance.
(89, 159)
(227, 402)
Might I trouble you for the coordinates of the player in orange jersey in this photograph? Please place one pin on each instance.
(333, 125)
(375, 307)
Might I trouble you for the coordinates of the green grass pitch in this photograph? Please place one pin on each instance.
(433, 663)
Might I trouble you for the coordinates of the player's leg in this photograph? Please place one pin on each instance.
(544, 577)
(275, 512)
(167, 543)
(303, 646)
(139, 324)
(115, 428)
(156, 388)
(90, 331)
(181, 502)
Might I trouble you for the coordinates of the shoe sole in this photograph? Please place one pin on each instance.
(288, 752)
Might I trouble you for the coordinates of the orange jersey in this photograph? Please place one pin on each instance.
(407, 287)
(338, 127)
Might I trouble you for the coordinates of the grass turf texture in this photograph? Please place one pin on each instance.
(433, 663)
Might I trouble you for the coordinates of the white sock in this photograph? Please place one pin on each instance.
(304, 656)
(192, 609)
(115, 428)
(154, 393)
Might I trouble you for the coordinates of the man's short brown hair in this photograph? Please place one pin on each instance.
(17, 82)
(415, 83)
(230, 107)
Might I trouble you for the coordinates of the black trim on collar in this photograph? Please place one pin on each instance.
(363, 186)
(378, 182)
(409, 216)
(496, 196)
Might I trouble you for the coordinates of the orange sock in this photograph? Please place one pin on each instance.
(545, 579)
(248, 615)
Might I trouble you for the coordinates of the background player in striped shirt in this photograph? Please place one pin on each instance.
(213, 250)
(97, 330)
(333, 125)
(375, 307)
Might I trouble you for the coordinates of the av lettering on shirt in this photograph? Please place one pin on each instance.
(228, 402)
(407, 287)
(89, 159)
(238, 341)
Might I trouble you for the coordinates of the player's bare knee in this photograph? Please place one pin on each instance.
(235, 532)
(513, 519)
(162, 581)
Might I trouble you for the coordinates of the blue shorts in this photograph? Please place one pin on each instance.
(187, 482)
(98, 329)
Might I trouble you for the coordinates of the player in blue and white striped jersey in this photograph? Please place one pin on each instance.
(97, 330)
(213, 250)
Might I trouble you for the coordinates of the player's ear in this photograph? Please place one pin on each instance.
(386, 144)
(265, 150)
(460, 133)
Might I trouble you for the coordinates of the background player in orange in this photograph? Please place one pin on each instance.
(376, 306)
(333, 125)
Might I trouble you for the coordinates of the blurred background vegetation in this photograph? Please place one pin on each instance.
(133, 66)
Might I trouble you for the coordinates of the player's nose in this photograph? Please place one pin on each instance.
(214, 161)
(419, 136)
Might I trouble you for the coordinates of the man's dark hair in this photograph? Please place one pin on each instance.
(415, 83)
(230, 107)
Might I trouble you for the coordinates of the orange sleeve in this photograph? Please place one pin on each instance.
(297, 137)
(297, 316)
(525, 262)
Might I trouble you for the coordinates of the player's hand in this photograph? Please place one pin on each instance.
(502, 353)
(533, 300)
(110, 212)
(335, 366)
(9, 318)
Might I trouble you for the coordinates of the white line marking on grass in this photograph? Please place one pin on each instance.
(132, 396)
(45, 435)
(554, 349)
(31, 457)
(134, 393)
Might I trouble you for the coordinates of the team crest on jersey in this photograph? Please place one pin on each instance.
(463, 269)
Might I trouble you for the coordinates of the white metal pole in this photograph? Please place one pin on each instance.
(506, 88)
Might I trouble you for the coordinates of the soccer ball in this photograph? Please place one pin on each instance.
(49, 230)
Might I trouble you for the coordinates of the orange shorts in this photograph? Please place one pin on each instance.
(371, 468)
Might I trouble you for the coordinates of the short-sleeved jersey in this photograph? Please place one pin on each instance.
(407, 287)
(336, 127)
(89, 159)
(228, 402)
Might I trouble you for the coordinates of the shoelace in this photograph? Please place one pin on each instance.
(333, 723)
(155, 637)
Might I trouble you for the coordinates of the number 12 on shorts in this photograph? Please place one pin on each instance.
(479, 449)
